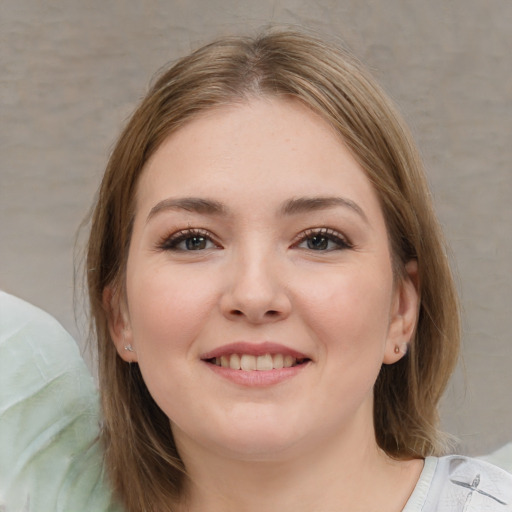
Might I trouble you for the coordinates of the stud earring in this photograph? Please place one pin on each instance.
(129, 348)
(404, 348)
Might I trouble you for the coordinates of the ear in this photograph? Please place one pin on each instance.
(404, 315)
(119, 323)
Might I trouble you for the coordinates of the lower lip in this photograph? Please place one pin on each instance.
(258, 378)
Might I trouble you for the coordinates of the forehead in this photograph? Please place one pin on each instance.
(267, 145)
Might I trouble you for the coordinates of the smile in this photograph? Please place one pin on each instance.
(249, 362)
(256, 364)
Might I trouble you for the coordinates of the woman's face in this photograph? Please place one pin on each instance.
(260, 298)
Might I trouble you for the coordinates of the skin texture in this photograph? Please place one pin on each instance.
(259, 277)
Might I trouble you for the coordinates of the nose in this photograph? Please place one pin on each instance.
(256, 292)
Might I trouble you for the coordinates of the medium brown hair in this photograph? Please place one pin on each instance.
(142, 460)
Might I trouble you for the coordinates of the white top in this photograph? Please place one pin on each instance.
(50, 420)
(461, 484)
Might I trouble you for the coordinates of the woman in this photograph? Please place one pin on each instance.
(275, 314)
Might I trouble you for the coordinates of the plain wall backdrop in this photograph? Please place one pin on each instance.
(72, 71)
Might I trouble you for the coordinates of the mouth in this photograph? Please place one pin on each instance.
(255, 357)
(250, 362)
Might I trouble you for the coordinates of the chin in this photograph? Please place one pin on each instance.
(261, 449)
(252, 441)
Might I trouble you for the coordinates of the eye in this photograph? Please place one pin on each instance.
(322, 239)
(188, 240)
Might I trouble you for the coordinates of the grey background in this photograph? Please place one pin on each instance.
(72, 71)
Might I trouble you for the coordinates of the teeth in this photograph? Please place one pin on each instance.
(234, 362)
(264, 362)
(249, 362)
(288, 361)
(278, 361)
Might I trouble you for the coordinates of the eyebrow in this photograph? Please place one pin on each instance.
(189, 204)
(309, 204)
(293, 206)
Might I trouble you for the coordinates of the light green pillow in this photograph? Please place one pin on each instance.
(50, 460)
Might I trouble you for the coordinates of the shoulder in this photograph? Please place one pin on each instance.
(49, 416)
(456, 483)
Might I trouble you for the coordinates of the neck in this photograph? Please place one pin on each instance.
(333, 476)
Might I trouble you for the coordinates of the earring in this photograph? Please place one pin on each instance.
(129, 348)
(404, 348)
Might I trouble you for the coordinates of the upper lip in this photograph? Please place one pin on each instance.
(254, 349)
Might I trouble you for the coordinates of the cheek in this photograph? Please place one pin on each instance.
(168, 311)
(167, 308)
(349, 311)
(346, 312)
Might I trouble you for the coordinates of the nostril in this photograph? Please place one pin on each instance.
(271, 313)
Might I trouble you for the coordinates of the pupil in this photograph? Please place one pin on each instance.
(318, 242)
(195, 243)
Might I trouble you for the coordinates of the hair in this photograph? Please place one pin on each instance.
(144, 466)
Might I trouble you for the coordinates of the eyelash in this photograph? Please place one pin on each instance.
(326, 233)
(171, 243)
